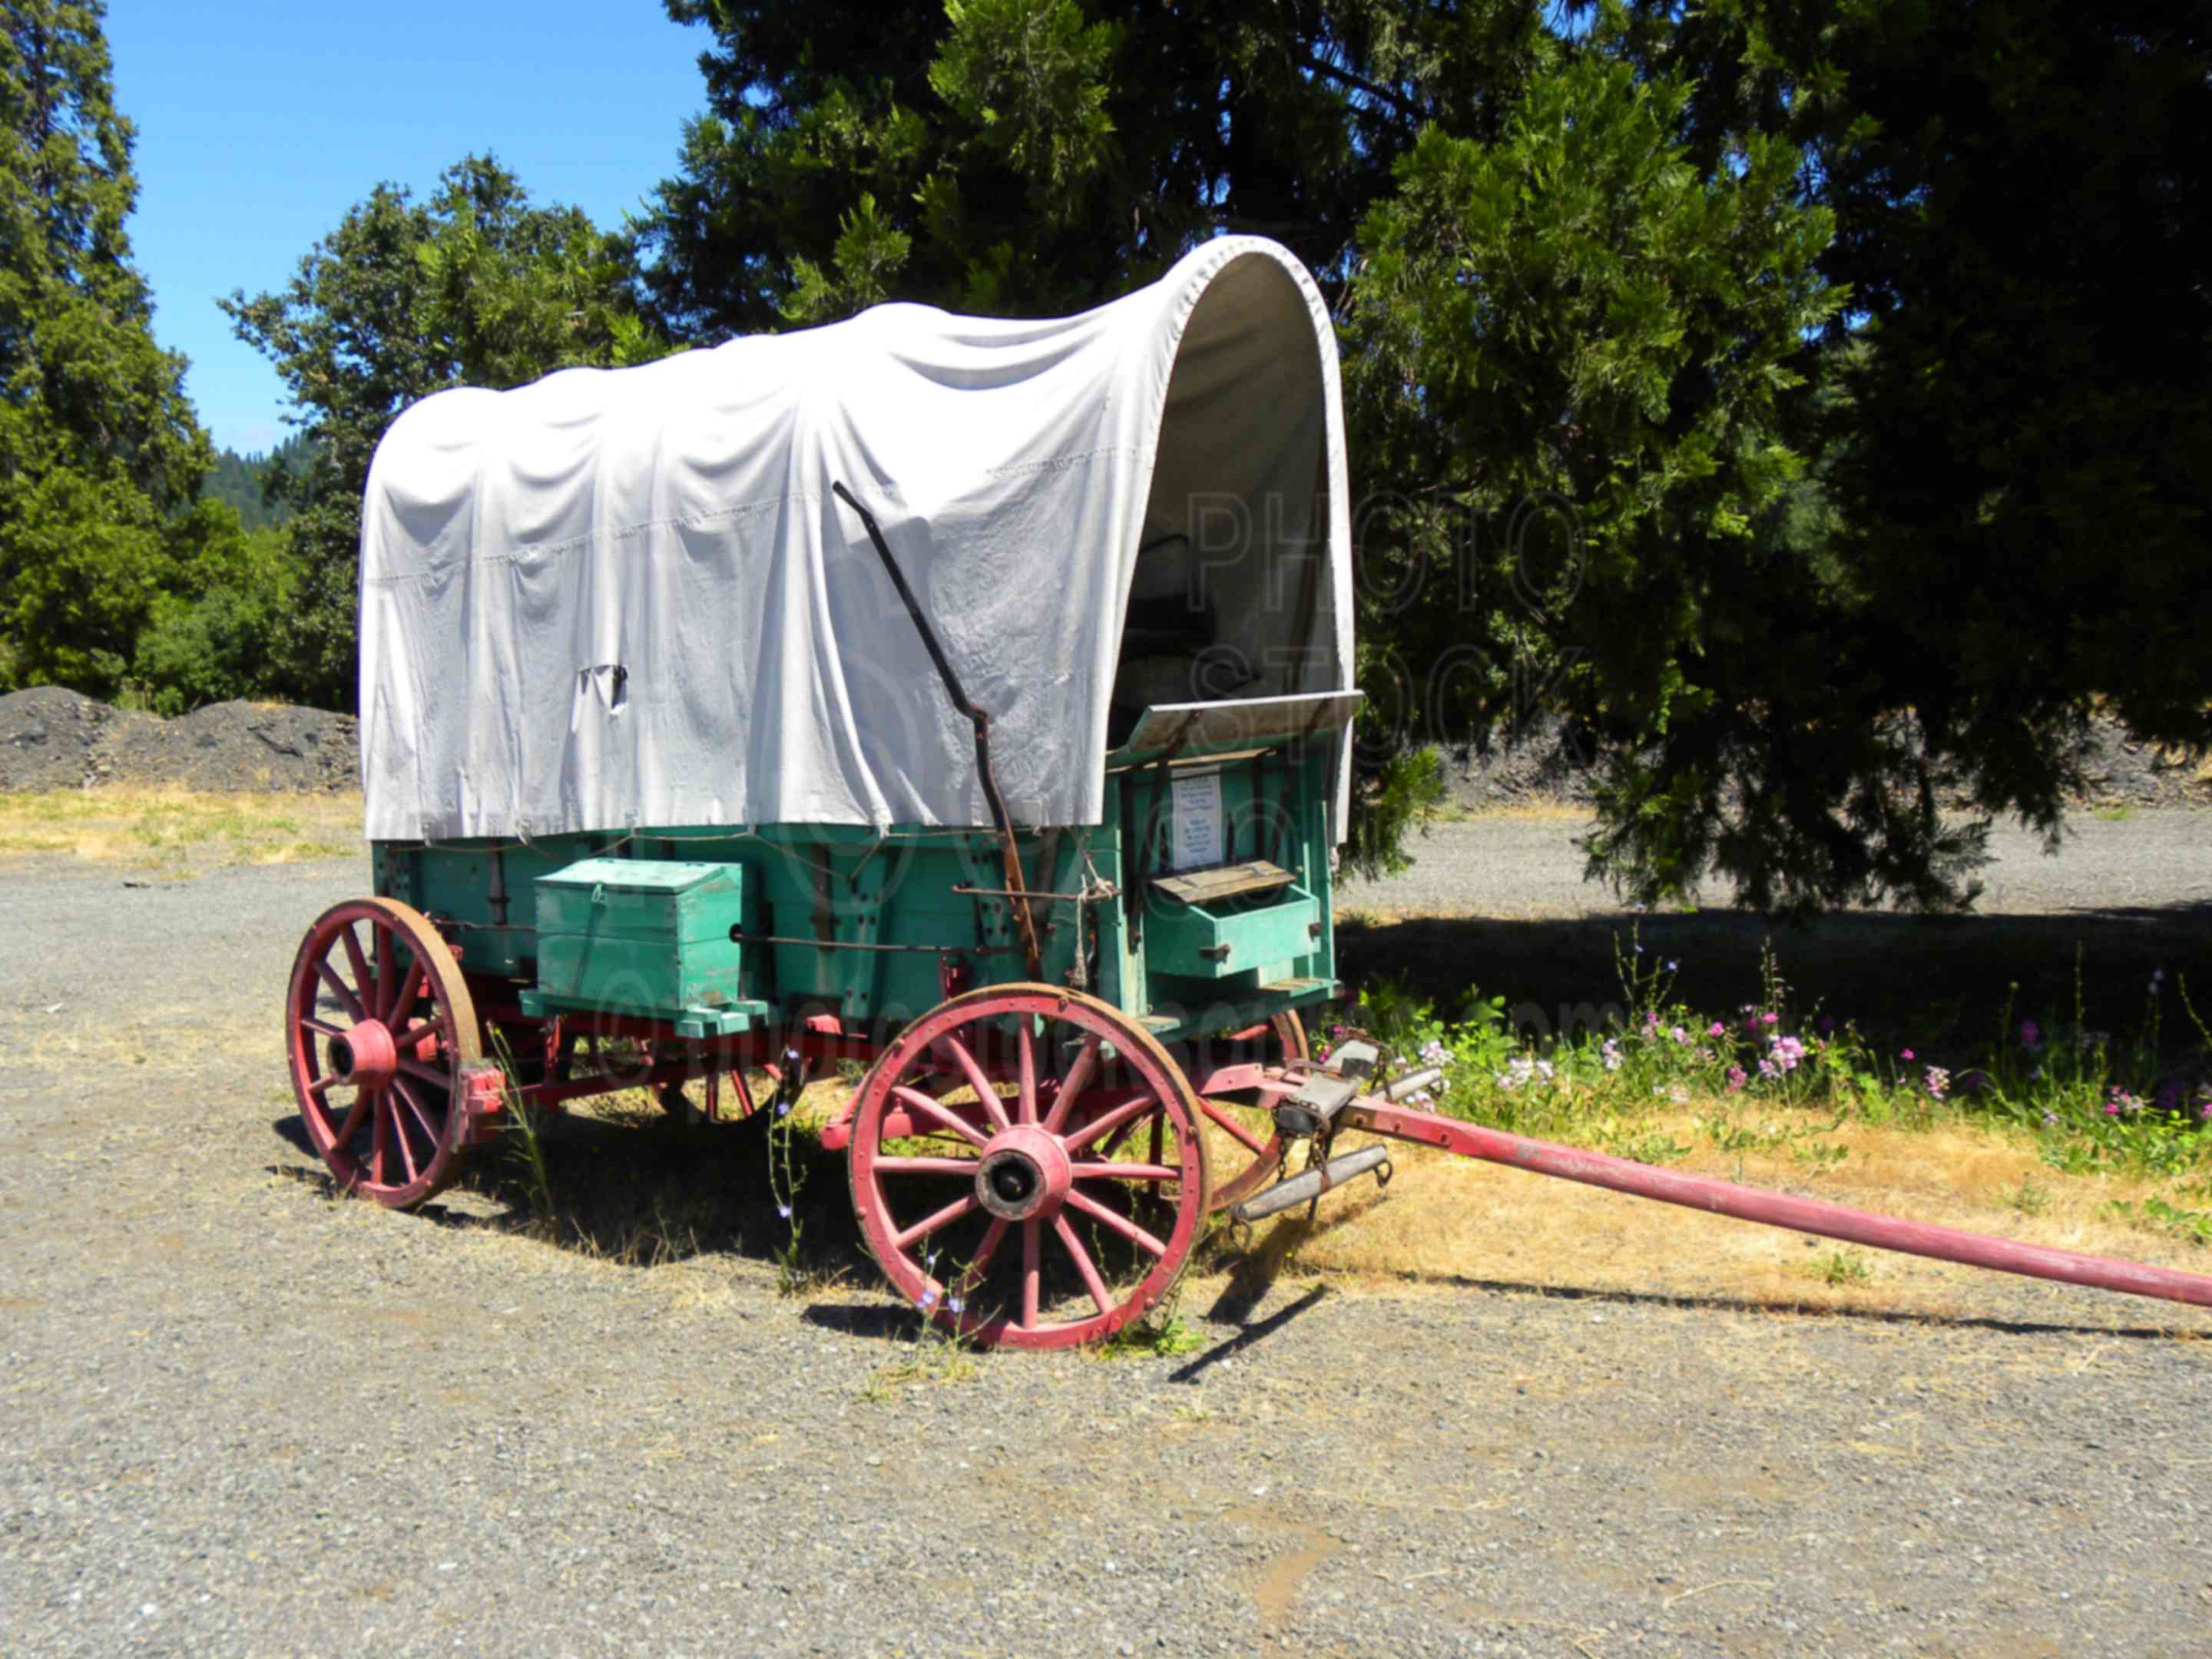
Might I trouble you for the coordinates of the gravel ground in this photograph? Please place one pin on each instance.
(247, 1418)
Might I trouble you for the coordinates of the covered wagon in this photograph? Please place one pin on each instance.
(965, 698)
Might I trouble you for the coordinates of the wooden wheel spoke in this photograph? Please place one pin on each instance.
(344, 992)
(915, 1101)
(1128, 1172)
(1120, 1224)
(422, 1117)
(1025, 1047)
(1072, 1085)
(1227, 1120)
(380, 1135)
(963, 1167)
(387, 971)
(979, 1264)
(364, 979)
(322, 1027)
(404, 995)
(1032, 1270)
(963, 1205)
(425, 1071)
(411, 1039)
(322, 1084)
(1107, 1122)
(390, 1105)
(344, 1133)
(1250, 1157)
(986, 1095)
(1084, 1264)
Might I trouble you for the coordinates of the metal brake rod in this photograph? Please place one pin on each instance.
(1024, 922)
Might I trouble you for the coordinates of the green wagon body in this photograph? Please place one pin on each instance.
(872, 929)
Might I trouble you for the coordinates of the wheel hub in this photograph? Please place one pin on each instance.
(1024, 1172)
(365, 1056)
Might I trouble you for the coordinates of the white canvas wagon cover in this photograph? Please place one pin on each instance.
(629, 597)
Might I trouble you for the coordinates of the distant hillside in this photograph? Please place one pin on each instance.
(240, 480)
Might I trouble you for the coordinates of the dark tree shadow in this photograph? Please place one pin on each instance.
(1938, 985)
(649, 1190)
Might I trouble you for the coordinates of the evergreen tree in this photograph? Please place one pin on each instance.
(244, 482)
(1023, 157)
(101, 455)
(2015, 431)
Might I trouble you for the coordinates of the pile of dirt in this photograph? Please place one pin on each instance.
(54, 738)
(2118, 771)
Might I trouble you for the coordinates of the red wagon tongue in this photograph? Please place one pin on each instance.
(1324, 1100)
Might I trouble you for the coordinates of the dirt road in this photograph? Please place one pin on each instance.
(247, 1418)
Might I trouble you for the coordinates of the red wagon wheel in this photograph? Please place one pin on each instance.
(1246, 1142)
(379, 1025)
(993, 1206)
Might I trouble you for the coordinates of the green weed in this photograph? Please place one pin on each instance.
(1843, 1266)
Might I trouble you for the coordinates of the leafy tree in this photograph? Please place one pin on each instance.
(220, 639)
(100, 456)
(474, 287)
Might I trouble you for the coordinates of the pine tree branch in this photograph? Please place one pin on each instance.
(1337, 72)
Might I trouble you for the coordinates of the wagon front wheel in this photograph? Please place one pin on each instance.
(380, 1029)
(1051, 1195)
(1247, 1152)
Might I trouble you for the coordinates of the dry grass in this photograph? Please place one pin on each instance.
(1445, 1223)
(172, 830)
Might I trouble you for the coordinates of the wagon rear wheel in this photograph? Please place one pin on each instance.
(379, 1027)
(993, 1206)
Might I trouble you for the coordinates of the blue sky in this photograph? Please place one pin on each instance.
(260, 123)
